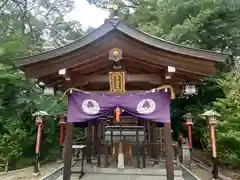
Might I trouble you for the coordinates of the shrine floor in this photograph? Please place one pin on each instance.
(156, 172)
(118, 177)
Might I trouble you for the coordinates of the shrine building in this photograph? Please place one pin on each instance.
(120, 83)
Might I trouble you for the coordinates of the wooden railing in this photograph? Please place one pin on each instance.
(141, 153)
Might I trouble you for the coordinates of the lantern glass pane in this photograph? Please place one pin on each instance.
(190, 89)
(49, 91)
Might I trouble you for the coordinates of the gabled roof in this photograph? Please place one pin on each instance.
(119, 25)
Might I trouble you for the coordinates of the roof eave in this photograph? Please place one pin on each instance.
(130, 31)
(170, 46)
(80, 43)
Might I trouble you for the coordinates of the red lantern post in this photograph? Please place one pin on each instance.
(62, 121)
(188, 124)
(39, 123)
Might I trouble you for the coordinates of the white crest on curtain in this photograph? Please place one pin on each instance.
(90, 106)
(146, 106)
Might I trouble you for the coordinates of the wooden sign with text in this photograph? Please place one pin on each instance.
(117, 81)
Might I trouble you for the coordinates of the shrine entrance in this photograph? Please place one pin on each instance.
(127, 79)
(124, 138)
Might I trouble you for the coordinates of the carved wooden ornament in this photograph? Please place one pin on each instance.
(115, 54)
(117, 81)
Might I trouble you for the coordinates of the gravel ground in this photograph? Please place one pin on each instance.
(26, 174)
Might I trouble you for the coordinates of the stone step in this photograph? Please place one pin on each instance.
(118, 177)
(128, 171)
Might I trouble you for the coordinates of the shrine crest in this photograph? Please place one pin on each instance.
(146, 106)
(90, 106)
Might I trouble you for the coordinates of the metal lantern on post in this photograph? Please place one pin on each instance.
(39, 122)
(188, 124)
(211, 117)
(62, 121)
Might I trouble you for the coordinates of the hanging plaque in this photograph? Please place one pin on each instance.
(117, 81)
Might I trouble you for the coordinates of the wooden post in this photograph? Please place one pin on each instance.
(68, 152)
(89, 139)
(155, 141)
(106, 154)
(169, 151)
(144, 157)
(95, 138)
(137, 148)
(97, 141)
(149, 137)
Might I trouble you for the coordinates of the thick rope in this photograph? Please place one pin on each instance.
(70, 90)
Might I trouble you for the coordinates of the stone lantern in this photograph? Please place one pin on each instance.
(211, 117)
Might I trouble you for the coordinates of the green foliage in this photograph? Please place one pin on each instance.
(228, 137)
(26, 28)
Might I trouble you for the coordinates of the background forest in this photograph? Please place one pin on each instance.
(33, 26)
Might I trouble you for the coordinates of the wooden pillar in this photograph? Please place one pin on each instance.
(155, 141)
(68, 151)
(169, 151)
(95, 138)
(149, 138)
(137, 147)
(89, 139)
(97, 142)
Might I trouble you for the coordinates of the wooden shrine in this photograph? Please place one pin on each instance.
(119, 59)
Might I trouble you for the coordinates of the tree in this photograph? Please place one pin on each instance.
(228, 137)
(39, 22)
(26, 28)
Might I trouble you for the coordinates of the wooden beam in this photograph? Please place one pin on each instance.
(155, 57)
(152, 78)
(81, 58)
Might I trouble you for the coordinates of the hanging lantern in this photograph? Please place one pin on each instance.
(118, 113)
(190, 89)
(49, 91)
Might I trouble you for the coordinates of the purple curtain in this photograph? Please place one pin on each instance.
(153, 105)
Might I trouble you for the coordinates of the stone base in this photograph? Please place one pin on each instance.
(36, 174)
(185, 155)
